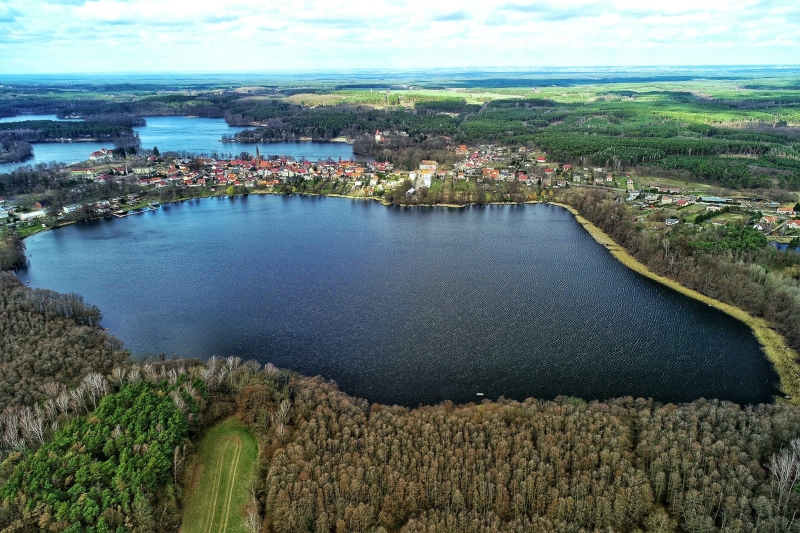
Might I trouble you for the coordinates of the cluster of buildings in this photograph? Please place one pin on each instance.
(783, 217)
(484, 164)
(264, 173)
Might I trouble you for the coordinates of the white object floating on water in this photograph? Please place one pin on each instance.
(479, 394)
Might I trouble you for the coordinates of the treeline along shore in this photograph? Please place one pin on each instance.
(776, 347)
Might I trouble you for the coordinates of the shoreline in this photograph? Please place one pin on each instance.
(286, 141)
(783, 358)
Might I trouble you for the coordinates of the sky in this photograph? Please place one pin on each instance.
(85, 36)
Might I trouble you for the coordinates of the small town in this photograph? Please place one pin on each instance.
(484, 174)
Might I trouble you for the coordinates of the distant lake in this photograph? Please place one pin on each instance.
(401, 305)
(180, 134)
(21, 118)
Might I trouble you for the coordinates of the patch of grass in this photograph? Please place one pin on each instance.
(222, 472)
(28, 230)
(690, 212)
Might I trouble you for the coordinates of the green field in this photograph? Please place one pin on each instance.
(224, 467)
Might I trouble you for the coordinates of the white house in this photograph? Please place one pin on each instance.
(25, 217)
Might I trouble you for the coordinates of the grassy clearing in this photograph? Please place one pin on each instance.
(222, 471)
(685, 186)
(690, 212)
(476, 96)
(313, 100)
(783, 358)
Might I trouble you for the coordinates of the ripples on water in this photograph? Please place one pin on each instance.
(402, 305)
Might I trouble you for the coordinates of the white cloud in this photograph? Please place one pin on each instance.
(156, 35)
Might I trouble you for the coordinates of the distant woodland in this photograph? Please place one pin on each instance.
(739, 139)
(14, 151)
(49, 130)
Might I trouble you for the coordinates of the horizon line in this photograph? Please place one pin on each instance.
(330, 70)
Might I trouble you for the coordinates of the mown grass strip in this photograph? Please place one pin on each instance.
(226, 458)
(783, 357)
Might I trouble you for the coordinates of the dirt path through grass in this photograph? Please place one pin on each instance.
(226, 459)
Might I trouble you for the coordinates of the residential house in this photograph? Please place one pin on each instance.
(427, 177)
(88, 173)
(102, 153)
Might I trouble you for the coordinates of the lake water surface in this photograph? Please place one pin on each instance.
(179, 134)
(401, 305)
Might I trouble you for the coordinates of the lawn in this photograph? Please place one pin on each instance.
(222, 472)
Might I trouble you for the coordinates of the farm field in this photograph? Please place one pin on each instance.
(687, 187)
(225, 463)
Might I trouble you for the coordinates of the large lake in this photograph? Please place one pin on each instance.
(180, 134)
(401, 305)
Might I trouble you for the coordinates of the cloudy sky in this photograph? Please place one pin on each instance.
(78, 36)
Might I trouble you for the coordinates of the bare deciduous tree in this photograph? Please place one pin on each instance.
(32, 425)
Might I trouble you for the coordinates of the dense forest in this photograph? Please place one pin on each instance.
(14, 151)
(112, 466)
(284, 121)
(333, 463)
(52, 130)
(48, 340)
(12, 251)
(134, 100)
